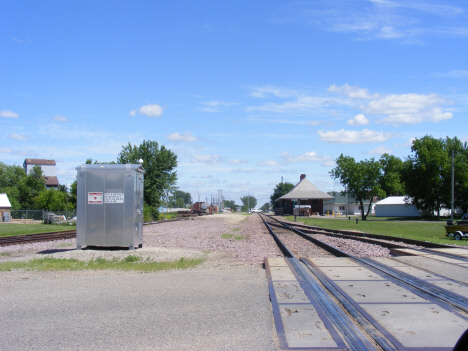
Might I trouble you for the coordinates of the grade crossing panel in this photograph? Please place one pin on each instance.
(409, 320)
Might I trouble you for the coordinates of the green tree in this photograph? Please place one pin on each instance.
(248, 202)
(73, 193)
(10, 177)
(428, 174)
(231, 204)
(53, 200)
(280, 190)
(180, 199)
(29, 187)
(159, 164)
(265, 207)
(391, 181)
(460, 153)
(361, 180)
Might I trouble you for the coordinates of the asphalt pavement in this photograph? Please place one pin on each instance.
(199, 309)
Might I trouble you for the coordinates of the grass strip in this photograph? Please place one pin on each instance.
(419, 230)
(9, 229)
(130, 263)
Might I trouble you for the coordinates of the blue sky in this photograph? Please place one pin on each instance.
(244, 92)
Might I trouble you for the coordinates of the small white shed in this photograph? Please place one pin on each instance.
(395, 206)
(5, 207)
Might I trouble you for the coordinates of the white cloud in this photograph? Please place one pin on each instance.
(408, 108)
(409, 143)
(208, 159)
(311, 156)
(244, 170)
(405, 103)
(455, 73)
(151, 110)
(6, 150)
(213, 106)
(405, 21)
(187, 137)
(353, 137)
(18, 137)
(267, 163)
(360, 119)
(380, 150)
(269, 90)
(237, 161)
(8, 114)
(302, 104)
(61, 118)
(352, 92)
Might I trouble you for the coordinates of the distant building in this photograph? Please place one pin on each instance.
(5, 208)
(395, 206)
(345, 205)
(307, 196)
(48, 170)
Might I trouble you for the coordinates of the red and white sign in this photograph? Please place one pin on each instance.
(94, 198)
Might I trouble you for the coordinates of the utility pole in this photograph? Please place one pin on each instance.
(453, 182)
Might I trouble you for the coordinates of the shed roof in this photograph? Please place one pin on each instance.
(393, 200)
(4, 202)
(51, 181)
(305, 190)
(37, 161)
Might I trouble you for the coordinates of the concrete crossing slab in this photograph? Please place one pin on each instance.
(407, 319)
(300, 323)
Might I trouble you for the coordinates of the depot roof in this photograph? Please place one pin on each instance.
(305, 190)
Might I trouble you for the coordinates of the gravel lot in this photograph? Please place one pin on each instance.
(173, 240)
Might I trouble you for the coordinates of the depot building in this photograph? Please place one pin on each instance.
(305, 199)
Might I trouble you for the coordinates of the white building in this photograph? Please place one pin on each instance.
(345, 206)
(395, 206)
(5, 207)
(48, 170)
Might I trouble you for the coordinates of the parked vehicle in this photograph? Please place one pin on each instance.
(256, 210)
(458, 229)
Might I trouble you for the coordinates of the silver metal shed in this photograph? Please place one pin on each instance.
(110, 205)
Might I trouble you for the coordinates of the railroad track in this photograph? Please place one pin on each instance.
(319, 280)
(32, 238)
(390, 242)
(51, 236)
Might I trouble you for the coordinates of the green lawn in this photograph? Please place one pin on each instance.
(432, 231)
(9, 229)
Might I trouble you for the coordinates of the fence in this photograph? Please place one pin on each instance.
(37, 216)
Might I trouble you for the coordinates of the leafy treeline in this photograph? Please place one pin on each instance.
(280, 190)
(179, 199)
(248, 202)
(28, 192)
(425, 176)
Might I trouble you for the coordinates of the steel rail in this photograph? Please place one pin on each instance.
(369, 238)
(440, 294)
(446, 296)
(31, 238)
(374, 236)
(349, 332)
(389, 245)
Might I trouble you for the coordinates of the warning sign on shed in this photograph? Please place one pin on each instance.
(114, 198)
(94, 198)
